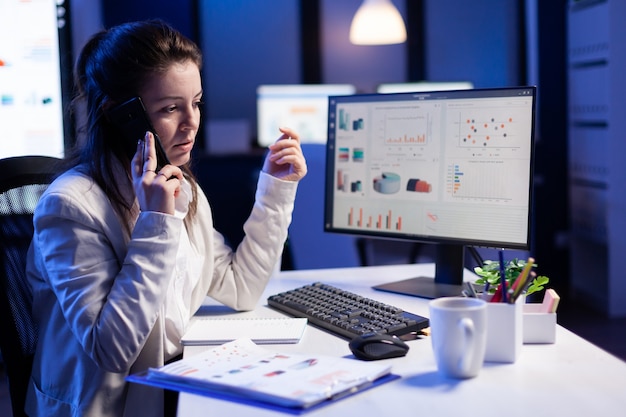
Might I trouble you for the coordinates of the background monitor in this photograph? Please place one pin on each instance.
(302, 107)
(453, 168)
(386, 88)
(33, 81)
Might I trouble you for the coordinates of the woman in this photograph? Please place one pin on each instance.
(124, 252)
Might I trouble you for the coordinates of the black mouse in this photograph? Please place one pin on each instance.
(374, 346)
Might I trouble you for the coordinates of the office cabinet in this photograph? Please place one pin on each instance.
(596, 54)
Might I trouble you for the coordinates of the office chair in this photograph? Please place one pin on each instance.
(229, 182)
(312, 247)
(23, 180)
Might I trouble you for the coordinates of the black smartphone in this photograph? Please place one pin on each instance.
(133, 122)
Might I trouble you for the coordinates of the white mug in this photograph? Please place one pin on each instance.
(458, 327)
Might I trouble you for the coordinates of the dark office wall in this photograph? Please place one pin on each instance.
(182, 14)
(247, 43)
(474, 41)
(363, 66)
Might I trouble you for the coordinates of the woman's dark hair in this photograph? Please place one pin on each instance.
(111, 69)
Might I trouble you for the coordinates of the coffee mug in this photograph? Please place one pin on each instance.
(458, 328)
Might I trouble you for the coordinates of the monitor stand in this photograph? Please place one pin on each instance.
(423, 287)
(448, 280)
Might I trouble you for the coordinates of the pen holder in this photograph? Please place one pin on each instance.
(539, 326)
(504, 331)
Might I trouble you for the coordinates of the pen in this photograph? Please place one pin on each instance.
(503, 277)
(529, 280)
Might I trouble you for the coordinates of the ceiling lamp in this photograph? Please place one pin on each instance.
(377, 22)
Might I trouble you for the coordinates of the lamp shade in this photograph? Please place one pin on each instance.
(377, 22)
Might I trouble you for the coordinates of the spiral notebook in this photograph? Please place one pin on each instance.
(217, 331)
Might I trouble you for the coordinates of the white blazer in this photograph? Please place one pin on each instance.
(98, 292)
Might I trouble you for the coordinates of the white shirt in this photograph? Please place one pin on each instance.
(189, 262)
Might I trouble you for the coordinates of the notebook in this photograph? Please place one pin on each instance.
(217, 331)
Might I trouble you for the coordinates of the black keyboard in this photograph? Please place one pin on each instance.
(344, 313)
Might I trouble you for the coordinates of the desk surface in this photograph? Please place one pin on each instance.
(569, 378)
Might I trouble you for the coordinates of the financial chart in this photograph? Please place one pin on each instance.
(441, 167)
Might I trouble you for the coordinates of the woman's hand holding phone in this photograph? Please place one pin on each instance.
(155, 190)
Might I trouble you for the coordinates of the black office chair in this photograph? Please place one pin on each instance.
(22, 181)
(229, 182)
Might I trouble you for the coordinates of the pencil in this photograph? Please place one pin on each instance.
(522, 278)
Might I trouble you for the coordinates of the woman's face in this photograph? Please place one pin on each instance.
(172, 101)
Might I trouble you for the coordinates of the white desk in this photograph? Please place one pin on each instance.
(569, 378)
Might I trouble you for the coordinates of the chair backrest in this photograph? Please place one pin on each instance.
(22, 181)
(312, 247)
(232, 196)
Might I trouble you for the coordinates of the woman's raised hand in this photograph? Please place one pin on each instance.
(285, 159)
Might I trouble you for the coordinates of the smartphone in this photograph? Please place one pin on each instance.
(133, 122)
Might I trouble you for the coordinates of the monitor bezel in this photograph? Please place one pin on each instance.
(431, 95)
(423, 86)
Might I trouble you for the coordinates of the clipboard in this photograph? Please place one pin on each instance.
(143, 378)
(244, 372)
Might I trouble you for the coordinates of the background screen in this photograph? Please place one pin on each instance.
(304, 108)
(31, 102)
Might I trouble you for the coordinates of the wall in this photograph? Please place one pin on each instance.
(250, 43)
(247, 43)
(86, 20)
(473, 41)
(180, 14)
(363, 66)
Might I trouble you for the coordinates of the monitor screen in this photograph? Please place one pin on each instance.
(32, 77)
(302, 107)
(453, 168)
(420, 86)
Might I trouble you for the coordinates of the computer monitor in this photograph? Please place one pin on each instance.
(451, 168)
(35, 77)
(302, 107)
(421, 86)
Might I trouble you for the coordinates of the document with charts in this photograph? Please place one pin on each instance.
(242, 369)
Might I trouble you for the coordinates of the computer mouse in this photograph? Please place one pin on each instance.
(374, 346)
